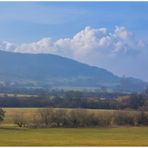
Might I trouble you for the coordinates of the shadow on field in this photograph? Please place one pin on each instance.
(13, 128)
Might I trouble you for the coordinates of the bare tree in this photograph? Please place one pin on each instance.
(80, 118)
(46, 116)
(19, 119)
(60, 117)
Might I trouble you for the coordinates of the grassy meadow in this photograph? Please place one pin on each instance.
(11, 135)
(135, 136)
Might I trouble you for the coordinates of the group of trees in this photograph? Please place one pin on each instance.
(81, 118)
(134, 101)
(59, 102)
(75, 118)
(77, 100)
(46, 91)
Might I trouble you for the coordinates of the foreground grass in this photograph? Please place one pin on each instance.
(11, 135)
(127, 136)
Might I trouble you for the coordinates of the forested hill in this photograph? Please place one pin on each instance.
(59, 71)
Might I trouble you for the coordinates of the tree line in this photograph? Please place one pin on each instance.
(77, 99)
(75, 118)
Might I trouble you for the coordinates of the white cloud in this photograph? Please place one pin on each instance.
(122, 33)
(45, 45)
(7, 46)
(89, 42)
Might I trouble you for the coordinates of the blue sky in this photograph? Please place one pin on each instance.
(34, 20)
(29, 22)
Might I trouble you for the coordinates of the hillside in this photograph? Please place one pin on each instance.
(53, 70)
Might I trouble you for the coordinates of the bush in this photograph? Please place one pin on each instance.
(45, 117)
(2, 114)
(85, 118)
(81, 118)
(125, 118)
(103, 119)
(76, 118)
(20, 120)
(60, 118)
(143, 118)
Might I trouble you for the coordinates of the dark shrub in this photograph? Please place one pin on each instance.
(103, 119)
(2, 114)
(143, 118)
(124, 118)
(60, 118)
(80, 118)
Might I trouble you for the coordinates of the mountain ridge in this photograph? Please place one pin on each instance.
(56, 70)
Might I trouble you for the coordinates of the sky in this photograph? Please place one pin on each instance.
(110, 35)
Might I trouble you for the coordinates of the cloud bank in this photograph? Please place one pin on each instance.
(83, 44)
(97, 46)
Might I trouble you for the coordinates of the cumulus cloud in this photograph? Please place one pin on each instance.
(122, 33)
(89, 42)
(45, 45)
(7, 46)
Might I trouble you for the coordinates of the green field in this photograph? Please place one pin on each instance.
(136, 136)
(11, 135)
